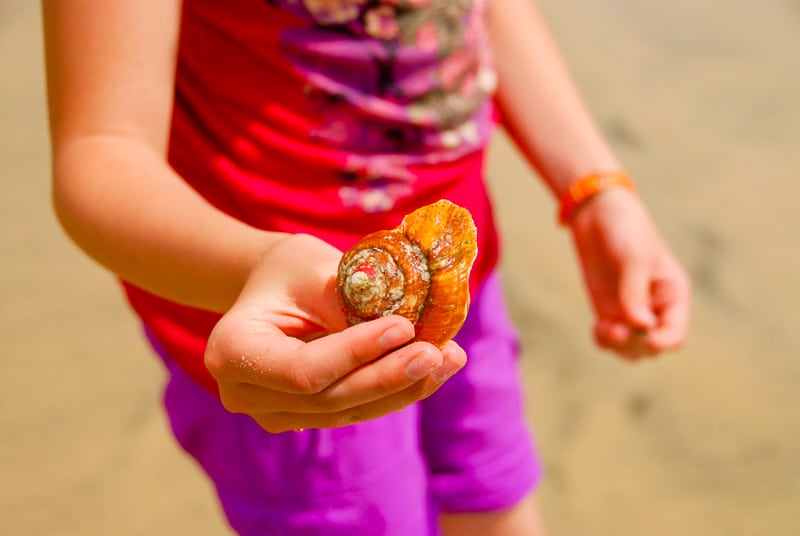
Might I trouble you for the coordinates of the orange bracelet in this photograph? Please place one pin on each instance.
(587, 187)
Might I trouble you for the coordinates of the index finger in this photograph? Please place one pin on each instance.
(282, 363)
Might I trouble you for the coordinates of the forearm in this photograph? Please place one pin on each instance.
(540, 105)
(120, 202)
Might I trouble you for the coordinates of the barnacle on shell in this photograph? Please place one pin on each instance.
(419, 270)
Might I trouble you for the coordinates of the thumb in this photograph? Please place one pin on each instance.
(634, 296)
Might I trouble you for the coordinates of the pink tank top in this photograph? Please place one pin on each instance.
(328, 117)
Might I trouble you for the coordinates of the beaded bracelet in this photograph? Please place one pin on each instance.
(587, 187)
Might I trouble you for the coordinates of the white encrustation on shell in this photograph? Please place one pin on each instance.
(419, 270)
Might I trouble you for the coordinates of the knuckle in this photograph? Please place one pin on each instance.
(221, 344)
(217, 366)
(302, 382)
(419, 391)
(351, 417)
(383, 385)
(354, 356)
(232, 403)
(344, 418)
(323, 403)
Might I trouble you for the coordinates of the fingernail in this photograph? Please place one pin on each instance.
(647, 318)
(444, 372)
(396, 335)
(422, 365)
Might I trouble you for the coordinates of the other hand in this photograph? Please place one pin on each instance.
(640, 292)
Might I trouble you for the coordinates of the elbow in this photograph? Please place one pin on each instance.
(62, 201)
(73, 203)
(58, 202)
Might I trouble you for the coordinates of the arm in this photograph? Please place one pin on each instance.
(539, 103)
(110, 69)
(639, 291)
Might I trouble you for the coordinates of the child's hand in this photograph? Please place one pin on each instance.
(640, 292)
(284, 355)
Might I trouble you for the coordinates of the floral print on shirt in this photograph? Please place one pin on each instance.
(398, 83)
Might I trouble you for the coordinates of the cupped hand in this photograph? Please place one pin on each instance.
(284, 355)
(640, 292)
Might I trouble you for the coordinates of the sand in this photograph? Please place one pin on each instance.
(700, 99)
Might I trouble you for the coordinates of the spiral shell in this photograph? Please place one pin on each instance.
(419, 270)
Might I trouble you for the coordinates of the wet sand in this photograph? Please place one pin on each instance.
(701, 101)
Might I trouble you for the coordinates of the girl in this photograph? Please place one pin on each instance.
(218, 156)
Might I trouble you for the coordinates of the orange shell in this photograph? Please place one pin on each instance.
(419, 270)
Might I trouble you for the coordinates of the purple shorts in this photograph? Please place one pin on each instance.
(467, 448)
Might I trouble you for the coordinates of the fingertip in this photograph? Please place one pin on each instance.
(642, 318)
(453, 353)
(453, 359)
(665, 340)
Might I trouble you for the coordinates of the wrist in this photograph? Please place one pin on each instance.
(583, 190)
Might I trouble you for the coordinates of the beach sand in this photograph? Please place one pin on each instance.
(702, 102)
